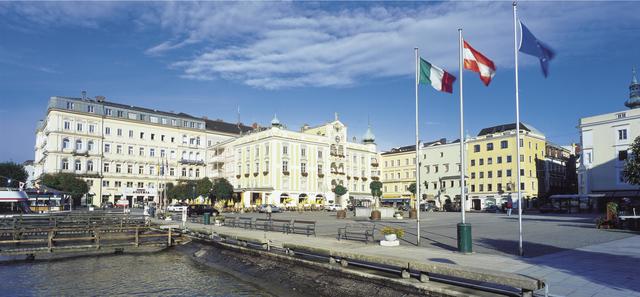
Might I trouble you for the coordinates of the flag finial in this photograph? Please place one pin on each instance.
(634, 78)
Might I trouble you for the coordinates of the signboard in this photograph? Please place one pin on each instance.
(122, 202)
(140, 191)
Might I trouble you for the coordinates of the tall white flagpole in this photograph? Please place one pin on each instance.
(417, 197)
(463, 199)
(515, 53)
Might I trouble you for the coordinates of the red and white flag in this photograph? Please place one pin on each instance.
(477, 62)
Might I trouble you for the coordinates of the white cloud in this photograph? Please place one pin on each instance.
(87, 14)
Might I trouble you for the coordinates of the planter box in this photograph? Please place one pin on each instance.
(385, 212)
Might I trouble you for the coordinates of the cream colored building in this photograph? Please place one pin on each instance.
(283, 167)
(606, 141)
(440, 172)
(398, 172)
(123, 151)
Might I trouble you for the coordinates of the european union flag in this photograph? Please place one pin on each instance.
(530, 45)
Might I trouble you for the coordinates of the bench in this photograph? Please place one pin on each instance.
(230, 221)
(262, 224)
(357, 232)
(303, 227)
(280, 225)
(245, 222)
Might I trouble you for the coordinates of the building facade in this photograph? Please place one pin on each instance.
(398, 172)
(123, 151)
(557, 171)
(278, 166)
(605, 142)
(492, 167)
(440, 173)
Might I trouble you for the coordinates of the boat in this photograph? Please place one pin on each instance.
(13, 201)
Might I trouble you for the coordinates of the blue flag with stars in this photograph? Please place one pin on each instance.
(530, 45)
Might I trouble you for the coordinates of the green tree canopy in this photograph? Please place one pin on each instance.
(412, 188)
(13, 171)
(203, 187)
(182, 191)
(68, 183)
(340, 190)
(221, 189)
(632, 166)
(376, 188)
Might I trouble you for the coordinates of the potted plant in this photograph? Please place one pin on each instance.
(391, 233)
(305, 174)
(237, 175)
(265, 172)
(376, 192)
(398, 215)
(218, 221)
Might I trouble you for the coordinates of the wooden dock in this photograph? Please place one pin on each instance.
(30, 236)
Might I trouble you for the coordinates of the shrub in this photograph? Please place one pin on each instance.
(399, 232)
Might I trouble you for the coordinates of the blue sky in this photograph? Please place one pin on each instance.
(306, 60)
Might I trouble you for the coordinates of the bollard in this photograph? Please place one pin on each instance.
(206, 218)
(464, 238)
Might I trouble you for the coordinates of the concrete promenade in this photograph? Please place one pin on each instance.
(604, 270)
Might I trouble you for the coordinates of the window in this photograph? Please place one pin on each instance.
(105, 167)
(78, 145)
(257, 167)
(140, 185)
(521, 172)
(120, 113)
(490, 146)
(69, 105)
(119, 149)
(130, 133)
(65, 164)
(481, 188)
(184, 172)
(508, 172)
(77, 165)
(152, 152)
(141, 135)
(107, 148)
(141, 151)
(489, 187)
(130, 150)
(117, 184)
(509, 159)
(481, 174)
(622, 155)
(152, 170)
(285, 166)
(162, 139)
(473, 188)
(90, 145)
(521, 158)
(119, 132)
(481, 161)
(79, 127)
(303, 167)
(522, 186)
(499, 173)
(107, 131)
(489, 174)
(90, 108)
(171, 171)
(285, 149)
(473, 162)
(130, 169)
(105, 183)
(303, 152)
(521, 142)
(67, 125)
(162, 154)
(504, 144)
(118, 168)
(153, 136)
(92, 128)
(473, 175)
(622, 134)
(108, 111)
(319, 168)
(90, 166)
(319, 154)
(476, 148)
(197, 172)
(489, 161)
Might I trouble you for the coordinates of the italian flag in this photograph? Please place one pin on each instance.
(436, 77)
(477, 62)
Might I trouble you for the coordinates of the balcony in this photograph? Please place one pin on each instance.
(191, 162)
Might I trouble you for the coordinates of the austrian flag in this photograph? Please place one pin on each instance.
(475, 61)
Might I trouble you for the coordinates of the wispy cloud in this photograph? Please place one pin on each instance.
(75, 13)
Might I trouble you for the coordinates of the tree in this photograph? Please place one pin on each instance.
(376, 191)
(412, 188)
(12, 171)
(180, 192)
(68, 183)
(632, 166)
(339, 190)
(221, 189)
(203, 187)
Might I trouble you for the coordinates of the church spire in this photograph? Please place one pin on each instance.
(634, 91)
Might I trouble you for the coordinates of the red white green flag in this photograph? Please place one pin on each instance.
(436, 77)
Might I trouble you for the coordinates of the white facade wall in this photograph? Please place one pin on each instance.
(440, 168)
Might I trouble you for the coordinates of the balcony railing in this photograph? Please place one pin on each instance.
(191, 162)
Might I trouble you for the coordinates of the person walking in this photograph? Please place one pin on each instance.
(509, 207)
(269, 211)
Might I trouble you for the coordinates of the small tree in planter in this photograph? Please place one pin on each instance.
(391, 233)
(376, 192)
(413, 213)
(340, 190)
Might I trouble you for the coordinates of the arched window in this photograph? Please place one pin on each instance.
(184, 155)
(78, 145)
(65, 164)
(198, 157)
(197, 172)
(65, 143)
(90, 166)
(90, 145)
(77, 165)
(191, 156)
(191, 172)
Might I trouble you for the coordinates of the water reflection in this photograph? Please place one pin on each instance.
(167, 274)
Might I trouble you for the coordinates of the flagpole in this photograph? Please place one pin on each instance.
(515, 53)
(464, 229)
(417, 152)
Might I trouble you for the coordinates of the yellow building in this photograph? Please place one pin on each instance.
(398, 172)
(491, 165)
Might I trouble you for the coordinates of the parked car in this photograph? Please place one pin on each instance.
(333, 207)
(177, 207)
(550, 208)
(274, 209)
(429, 207)
(107, 204)
(492, 208)
(201, 209)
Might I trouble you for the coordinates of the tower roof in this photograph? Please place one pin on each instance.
(634, 91)
(275, 121)
(368, 136)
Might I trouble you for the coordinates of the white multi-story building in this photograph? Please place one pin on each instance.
(440, 172)
(606, 140)
(123, 151)
(279, 166)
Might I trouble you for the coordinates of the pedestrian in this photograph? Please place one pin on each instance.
(509, 207)
(269, 211)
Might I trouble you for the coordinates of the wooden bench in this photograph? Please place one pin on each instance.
(230, 221)
(262, 224)
(357, 232)
(245, 222)
(303, 227)
(280, 225)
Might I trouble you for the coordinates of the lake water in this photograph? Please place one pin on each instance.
(167, 273)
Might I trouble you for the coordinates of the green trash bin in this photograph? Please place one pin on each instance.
(206, 218)
(464, 238)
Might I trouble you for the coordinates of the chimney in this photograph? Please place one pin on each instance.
(100, 99)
